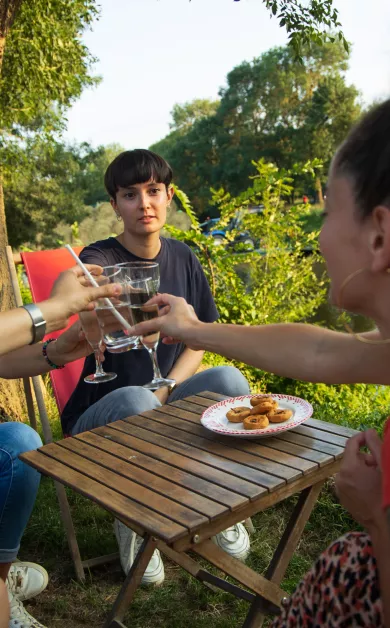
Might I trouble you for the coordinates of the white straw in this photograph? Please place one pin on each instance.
(93, 281)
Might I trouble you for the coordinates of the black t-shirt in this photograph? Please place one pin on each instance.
(181, 275)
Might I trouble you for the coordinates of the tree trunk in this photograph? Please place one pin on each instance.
(12, 404)
(319, 191)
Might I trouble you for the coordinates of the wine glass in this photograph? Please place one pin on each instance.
(142, 270)
(115, 334)
(93, 334)
(140, 291)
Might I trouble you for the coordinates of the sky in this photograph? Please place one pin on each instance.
(155, 53)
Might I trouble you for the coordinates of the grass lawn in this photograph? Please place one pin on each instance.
(181, 601)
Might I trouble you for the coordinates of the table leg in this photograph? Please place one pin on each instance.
(293, 532)
(131, 584)
(284, 551)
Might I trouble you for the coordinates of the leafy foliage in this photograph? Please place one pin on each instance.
(46, 65)
(275, 284)
(307, 23)
(271, 108)
(48, 183)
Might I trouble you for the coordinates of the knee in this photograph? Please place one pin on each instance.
(229, 380)
(132, 400)
(19, 437)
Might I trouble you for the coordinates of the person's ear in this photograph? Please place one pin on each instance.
(115, 207)
(170, 193)
(379, 235)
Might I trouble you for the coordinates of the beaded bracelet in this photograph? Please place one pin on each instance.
(44, 353)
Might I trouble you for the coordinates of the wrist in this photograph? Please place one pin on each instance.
(54, 355)
(196, 336)
(54, 313)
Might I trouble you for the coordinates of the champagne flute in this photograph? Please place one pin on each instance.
(93, 334)
(140, 291)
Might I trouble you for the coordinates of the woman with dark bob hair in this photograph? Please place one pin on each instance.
(350, 583)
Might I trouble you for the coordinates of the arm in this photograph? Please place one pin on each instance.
(69, 296)
(299, 351)
(186, 366)
(29, 361)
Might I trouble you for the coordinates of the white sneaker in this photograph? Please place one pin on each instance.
(234, 541)
(19, 617)
(26, 580)
(129, 543)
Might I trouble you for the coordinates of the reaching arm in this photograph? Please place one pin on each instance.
(69, 296)
(293, 350)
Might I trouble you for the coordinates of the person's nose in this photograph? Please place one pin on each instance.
(144, 201)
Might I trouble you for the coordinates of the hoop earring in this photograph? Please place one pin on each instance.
(118, 217)
(349, 329)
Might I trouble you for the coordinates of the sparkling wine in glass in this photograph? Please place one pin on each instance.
(93, 334)
(140, 292)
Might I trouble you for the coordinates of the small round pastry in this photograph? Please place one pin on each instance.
(279, 416)
(259, 399)
(238, 414)
(256, 422)
(265, 406)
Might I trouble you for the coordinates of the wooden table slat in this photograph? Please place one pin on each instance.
(255, 447)
(252, 447)
(146, 497)
(187, 405)
(162, 486)
(196, 484)
(333, 428)
(312, 443)
(327, 437)
(152, 522)
(320, 457)
(200, 401)
(180, 460)
(216, 455)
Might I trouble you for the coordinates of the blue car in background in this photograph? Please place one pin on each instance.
(244, 237)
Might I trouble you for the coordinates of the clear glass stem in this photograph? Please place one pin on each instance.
(156, 368)
(98, 361)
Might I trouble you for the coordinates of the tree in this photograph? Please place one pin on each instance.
(184, 116)
(271, 108)
(44, 67)
(307, 23)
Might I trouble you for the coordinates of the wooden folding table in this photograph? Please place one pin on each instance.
(177, 485)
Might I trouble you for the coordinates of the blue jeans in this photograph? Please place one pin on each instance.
(131, 400)
(18, 486)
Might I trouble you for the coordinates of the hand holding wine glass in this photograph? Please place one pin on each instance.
(177, 321)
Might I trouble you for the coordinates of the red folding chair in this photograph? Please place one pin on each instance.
(43, 268)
